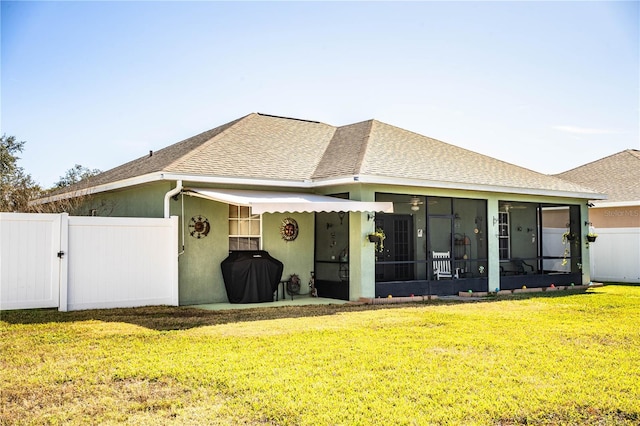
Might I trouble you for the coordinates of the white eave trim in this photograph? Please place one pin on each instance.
(455, 185)
(610, 204)
(222, 180)
(162, 176)
(121, 184)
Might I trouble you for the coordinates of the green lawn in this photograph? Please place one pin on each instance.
(548, 358)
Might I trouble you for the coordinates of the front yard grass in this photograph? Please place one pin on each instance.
(564, 358)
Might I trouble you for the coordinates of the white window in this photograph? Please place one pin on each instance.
(244, 228)
(504, 243)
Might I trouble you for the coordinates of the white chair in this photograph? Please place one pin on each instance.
(442, 265)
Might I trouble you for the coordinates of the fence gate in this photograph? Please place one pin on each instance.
(32, 260)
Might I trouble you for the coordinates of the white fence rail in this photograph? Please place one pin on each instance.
(103, 262)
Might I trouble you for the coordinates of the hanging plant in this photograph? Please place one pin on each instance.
(378, 238)
(568, 236)
(591, 237)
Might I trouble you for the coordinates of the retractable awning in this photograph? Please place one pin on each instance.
(281, 202)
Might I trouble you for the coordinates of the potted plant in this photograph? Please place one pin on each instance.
(378, 238)
(568, 236)
(591, 237)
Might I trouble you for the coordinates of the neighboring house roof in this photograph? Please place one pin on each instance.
(617, 175)
(263, 149)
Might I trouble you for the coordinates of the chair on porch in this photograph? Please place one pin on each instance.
(518, 267)
(442, 265)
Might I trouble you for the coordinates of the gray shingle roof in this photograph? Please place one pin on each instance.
(396, 152)
(346, 150)
(259, 146)
(617, 175)
(161, 160)
(373, 148)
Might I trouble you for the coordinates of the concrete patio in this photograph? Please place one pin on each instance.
(301, 300)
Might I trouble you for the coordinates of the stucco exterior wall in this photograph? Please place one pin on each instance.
(201, 278)
(199, 264)
(296, 255)
(140, 201)
(615, 217)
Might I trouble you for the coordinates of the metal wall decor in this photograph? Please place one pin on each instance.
(199, 227)
(289, 229)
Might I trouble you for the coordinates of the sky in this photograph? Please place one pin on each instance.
(544, 85)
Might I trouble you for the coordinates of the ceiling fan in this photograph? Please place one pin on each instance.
(415, 203)
(509, 206)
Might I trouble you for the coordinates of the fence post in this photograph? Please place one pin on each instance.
(63, 284)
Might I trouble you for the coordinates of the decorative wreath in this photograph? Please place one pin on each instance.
(289, 229)
(199, 227)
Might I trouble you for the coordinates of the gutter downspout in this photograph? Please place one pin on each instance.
(168, 195)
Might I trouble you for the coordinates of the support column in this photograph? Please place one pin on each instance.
(362, 268)
(586, 252)
(492, 244)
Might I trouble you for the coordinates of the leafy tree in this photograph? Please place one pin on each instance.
(16, 186)
(75, 175)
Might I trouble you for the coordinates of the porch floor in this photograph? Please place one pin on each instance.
(297, 301)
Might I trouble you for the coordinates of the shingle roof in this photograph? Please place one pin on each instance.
(396, 152)
(617, 175)
(345, 152)
(259, 146)
(158, 161)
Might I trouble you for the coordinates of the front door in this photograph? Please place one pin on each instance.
(398, 248)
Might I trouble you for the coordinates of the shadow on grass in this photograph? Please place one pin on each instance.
(165, 318)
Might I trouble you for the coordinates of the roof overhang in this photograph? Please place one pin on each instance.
(465, 186)
(311, 184)
(289, 202)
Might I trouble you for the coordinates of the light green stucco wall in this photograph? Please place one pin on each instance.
(200, 274)
(140, 201)
(296, 255)
(201, 278)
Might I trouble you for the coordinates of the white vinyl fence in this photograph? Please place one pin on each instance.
(53, 260)
(615, 255)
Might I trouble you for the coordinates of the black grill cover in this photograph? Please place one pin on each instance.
(251, 276)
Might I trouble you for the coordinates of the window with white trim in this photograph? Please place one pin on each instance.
(504, 243)
(244, 228)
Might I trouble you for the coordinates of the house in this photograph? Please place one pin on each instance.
(615, 256)
(310, 194)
